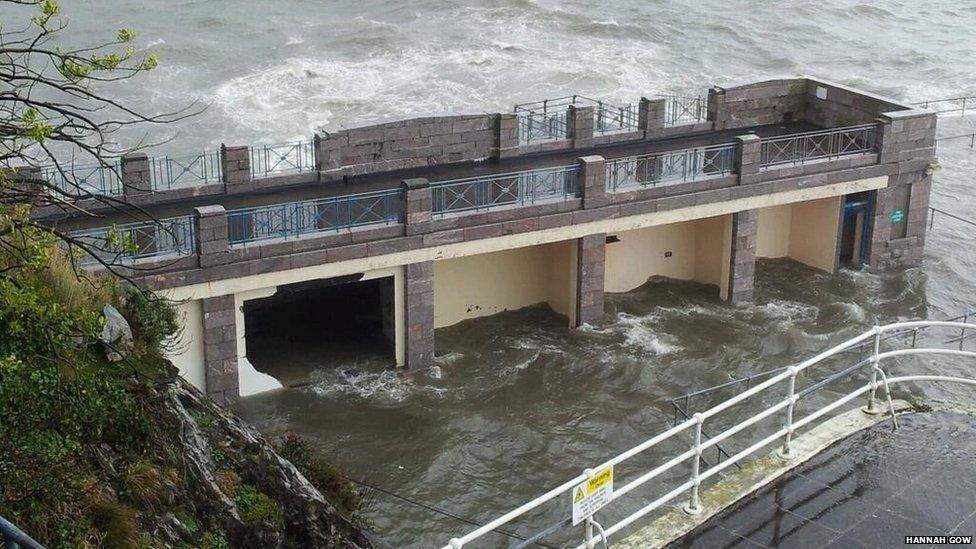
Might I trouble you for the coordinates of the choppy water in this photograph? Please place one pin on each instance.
(518, 402)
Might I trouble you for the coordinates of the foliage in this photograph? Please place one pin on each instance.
(255, 506)
(151, 318)
(327, 477)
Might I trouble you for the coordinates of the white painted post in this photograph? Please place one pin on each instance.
(694, 503)
(786, 452)
(871, 409)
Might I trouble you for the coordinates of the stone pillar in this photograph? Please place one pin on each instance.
(417, 206)
(220, 348)
(136, 175)
(748, 156)
(28, 182)
(419, 309)
(651, 114)
(593, 181)
(590, 273)
(579, 125)
(211, 235)
(235, 164)
(742, 259)
(506, 137)
(716, 108)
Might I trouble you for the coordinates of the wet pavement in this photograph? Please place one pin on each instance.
(869, 490)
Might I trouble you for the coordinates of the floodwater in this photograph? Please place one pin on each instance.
(518, 403)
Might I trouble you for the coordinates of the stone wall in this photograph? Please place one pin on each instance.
(834, 105)
(415, 143)
(759, 104)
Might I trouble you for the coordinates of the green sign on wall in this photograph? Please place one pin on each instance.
(897, 216)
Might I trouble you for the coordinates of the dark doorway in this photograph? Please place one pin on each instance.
(320, 324)
(855, 236)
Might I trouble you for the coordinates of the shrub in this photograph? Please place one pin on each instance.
(152, 318)
(327, 477)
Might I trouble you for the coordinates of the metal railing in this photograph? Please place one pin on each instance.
(96, 179)
(933, 211)
(670, 167)
(546, 120)
(683, 108)
(271, 160)
(800, 148)
(504, 190)
(970, 136)
(126, 243)
(294, 219)
(12, 537)
(785, 408)
(609, 118)
(949, 105)
(174, 172)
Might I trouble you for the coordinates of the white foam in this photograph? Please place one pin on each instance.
(638, 334)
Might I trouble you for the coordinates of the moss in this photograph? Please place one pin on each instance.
(256, 507)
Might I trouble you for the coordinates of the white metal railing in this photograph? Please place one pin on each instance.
(791, 424)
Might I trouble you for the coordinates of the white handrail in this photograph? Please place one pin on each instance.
(790, 426)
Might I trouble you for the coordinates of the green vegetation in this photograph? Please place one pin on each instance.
(255, 506)
(328, 478)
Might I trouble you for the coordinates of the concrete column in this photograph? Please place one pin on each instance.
(748, 153)
(506, 136)
(211, 235)
(419, 294)
(136, 175)
(590, 273)
(579, 125)
(651, 114)
(417, 206)
(742, 259)
(220, 348)
(235, 164)
(593, 181)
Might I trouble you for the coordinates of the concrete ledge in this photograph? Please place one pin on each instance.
(753, 476)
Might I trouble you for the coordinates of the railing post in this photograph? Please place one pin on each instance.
(694, 502)
(748, 158)
(210, 229)
(136, 175)
(786, 452)
(579, 125)
(593, 181)
(235, 164)
(417, 206)
(871, 407)
(651, 114)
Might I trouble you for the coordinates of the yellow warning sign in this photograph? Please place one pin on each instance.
(591, 495)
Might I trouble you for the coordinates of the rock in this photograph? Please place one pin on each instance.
(116, 335)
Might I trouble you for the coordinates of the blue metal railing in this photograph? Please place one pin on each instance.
(96, 179)
(800, 148)
(174, 236)
(609, 118)
(270, 160)
(173, 172)
(670, 167)
(14, 538)
(683, 108)
(293, 219)
(507, 189)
